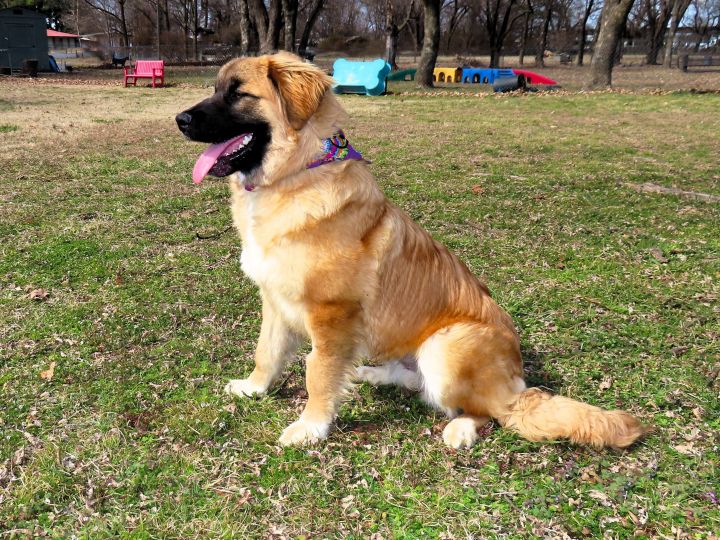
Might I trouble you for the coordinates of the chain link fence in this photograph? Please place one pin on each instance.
(211, 55)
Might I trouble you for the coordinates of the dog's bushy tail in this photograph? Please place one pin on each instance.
(537, 416)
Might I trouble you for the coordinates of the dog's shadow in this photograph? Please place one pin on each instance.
(536, 370)
(393, 404)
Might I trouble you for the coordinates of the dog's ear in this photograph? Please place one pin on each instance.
(301, 86)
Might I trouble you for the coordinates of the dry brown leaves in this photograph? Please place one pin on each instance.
(49, 372)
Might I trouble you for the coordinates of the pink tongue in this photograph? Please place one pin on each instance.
(208, 158)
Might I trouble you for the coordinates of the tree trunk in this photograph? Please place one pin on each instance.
(195, 14)
(157, 30)
(524, 37)
(656, 43)
(431, 42)
(457, 15)
(186, 26)
(613, 17)
(391, 39)
(494, 57)
(307, 31)
(581, 46)
(290, 9)
(497, 28)
(273, 31)
(123, 25)
(583, 32)
(542, 42)
(657, 27)
(620, 50)
(678, 12)
(260, 17)
(698, 42)
(244, 28)
(391, 35)
(166, 13)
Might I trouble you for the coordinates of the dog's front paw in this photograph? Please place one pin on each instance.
(244, 388)
(302, 432)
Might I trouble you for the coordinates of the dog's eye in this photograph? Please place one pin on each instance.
(232, 97)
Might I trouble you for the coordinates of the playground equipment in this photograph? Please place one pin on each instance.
(370, 78)
(450, 75)
(484, 75)
(402, 75)
(367, 78)
(491, 76)
(509, 84)
(534, 78)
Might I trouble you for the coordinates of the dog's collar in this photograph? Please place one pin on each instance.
(335, 148)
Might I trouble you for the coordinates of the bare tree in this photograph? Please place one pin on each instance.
(542, 38)
(678, 12)
(115, 11)
(705, 17)
(267, 23)
(588, 9)
(656, 14)
(499, 18)
(313, 12)
(527, 17)
(244, 27)
(290, 10)
(431, 43)
(457, 14)
(612, 22)
(393, 29)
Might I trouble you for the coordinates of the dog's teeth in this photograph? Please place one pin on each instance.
(247, 139)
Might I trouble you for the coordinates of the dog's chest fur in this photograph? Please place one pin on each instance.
(277, 267)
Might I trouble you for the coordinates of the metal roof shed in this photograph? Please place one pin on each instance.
(23, 37)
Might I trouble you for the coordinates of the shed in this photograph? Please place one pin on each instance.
(23, 37)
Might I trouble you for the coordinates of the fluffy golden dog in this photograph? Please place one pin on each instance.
(339, 264)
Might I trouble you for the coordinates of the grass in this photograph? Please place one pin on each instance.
(614, 292)
(7, 128)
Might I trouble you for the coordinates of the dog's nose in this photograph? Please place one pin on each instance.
(183, 121)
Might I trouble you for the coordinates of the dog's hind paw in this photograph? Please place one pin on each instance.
(369, 374)
(462, 432)
(243, 388)
(302, 432)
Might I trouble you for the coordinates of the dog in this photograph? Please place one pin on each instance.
(337, 263)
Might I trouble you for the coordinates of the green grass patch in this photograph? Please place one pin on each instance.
(615, 294)
(8, 128)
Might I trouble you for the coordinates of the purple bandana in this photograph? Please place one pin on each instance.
(336, 148)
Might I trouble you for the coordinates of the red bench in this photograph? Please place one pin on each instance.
(146, 69)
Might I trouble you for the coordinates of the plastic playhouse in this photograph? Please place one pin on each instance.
(484, 75)
(447, 75)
